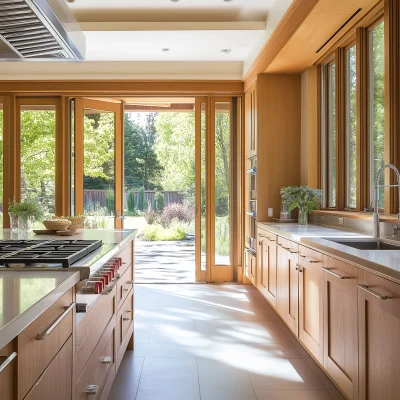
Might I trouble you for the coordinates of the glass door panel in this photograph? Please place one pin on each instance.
(1, 169)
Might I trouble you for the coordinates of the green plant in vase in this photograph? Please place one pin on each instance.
(21, 213)
(304, 198)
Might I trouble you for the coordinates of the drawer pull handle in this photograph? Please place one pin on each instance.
(5, 361)
(375, 294)
(123, 263)
(288, 249)
(126, 289)
(270, 240)
(128, 311)
(126, 319)
(92, 389)
(308, 259)
(329, 271)
(106, 360)
(43, 335)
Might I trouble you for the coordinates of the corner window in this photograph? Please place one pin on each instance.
(332, 137)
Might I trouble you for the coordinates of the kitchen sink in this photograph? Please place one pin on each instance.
(366, 244)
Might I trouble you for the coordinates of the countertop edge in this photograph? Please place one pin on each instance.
(18, 324)
(362, 263)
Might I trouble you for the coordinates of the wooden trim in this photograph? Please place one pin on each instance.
(123, 87)
(119, 165)
(362, 87)
(358, 215)
(288, 25)
(314, 178)
(392, 98)
(340, 57)
(78, 156)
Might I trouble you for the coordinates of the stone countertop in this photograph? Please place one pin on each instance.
(385, 263)
(25, 295)
(113, 241)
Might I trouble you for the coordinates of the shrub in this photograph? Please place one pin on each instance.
(131, 203)
(141, 203)
(109, 200)
(222, 206)
(158, 201)
(178, 211)
(152, 217)
(158, 233)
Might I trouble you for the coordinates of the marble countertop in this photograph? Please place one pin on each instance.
(25, 295)
(113, 241)
(385, 263)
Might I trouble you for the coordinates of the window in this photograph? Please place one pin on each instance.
(351, 128)
(1, 162)
(332, 137)
(377, 107)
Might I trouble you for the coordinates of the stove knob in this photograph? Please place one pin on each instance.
(93, 287)
(111, 271)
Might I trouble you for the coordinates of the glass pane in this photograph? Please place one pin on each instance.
(332, 135)
(351, 128)
(1, 165)
(203, 185)
(38, 155)
(377, 108)
(99, 169)
(222, 183)
(72, 172)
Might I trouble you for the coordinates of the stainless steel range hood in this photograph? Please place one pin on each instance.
(39, 30)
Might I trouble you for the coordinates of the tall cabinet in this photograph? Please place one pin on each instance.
(272, 150)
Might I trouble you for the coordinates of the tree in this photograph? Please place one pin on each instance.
(158, 201)
(141, 201)
(131, 203)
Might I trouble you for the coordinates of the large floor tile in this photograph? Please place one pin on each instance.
(293, 395)
(168, 389)
(169, 368)
(321, 375)
(284, 374)
(163, 350)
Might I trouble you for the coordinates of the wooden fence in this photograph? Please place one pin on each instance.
(98, 197)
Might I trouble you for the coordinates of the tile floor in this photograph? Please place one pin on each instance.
(214, 342)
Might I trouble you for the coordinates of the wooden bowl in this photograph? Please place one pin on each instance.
(76, 223)
(59, 225)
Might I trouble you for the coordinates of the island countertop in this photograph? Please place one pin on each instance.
(113, 241)
(25, 295)
(385, 263)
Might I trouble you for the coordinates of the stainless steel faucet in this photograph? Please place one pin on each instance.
(376, 196)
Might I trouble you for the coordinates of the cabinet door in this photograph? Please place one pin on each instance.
(250, 266)
(310, 301)
(288, 287)
(7, 365)
(378, 338)
(266, 268)
(340, 324)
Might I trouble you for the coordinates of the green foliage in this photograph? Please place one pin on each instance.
(131, 202)
(26, 208)
(222, 236)
(141, 201)
(158, 201)
(158, 233)
(302, 197)
(110, 200)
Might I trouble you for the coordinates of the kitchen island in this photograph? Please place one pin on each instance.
(57, 334)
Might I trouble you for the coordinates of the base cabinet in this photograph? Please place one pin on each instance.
(339, 293)
(7, 365)
(378, 338)
(250, 266)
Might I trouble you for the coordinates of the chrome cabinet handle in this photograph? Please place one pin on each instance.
(126, 319)
(375, 294)
(308, 259)
(5, 361)
(329, 271)
(265, 237)
(288, 249)
(106, 360)
(43, 335)
(91, 389)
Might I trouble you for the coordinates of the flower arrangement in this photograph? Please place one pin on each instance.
(304, 198)
(22, 212)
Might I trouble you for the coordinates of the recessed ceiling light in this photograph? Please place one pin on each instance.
(174, 1)
(226, 51)
(166, 49)
(226, 1)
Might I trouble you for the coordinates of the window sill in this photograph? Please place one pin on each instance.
(358, 215)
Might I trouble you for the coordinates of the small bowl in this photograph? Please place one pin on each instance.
(76, 223)
(57, 225)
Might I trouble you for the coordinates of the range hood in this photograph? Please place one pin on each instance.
(39, 30)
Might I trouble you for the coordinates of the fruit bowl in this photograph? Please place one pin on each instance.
(56, 224)
(76, 223)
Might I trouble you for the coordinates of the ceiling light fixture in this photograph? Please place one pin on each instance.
(166, 49)
(226, 51)
(226, 1)
(174, 1)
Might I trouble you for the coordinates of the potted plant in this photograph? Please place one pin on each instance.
(21, 213)
(304, 198)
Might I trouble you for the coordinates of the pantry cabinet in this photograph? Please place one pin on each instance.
(339, 292)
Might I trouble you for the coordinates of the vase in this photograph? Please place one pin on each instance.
(303, 216)
(24, 222)
(13, 222)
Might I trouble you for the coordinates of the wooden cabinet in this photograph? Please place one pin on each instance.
(339, 293)
(7, 367)
(266, 266)
(378, 338)
(287, 283)
(250, 265)
(310, 301)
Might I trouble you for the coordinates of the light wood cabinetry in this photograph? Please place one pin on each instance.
(7, 367)
(310, 301)
(288, 283)
(378, 338)
(250, 266)
(339, 293)
(266, 266)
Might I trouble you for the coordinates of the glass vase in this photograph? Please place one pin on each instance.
(24, 223)
(303, 216)
(13, 222)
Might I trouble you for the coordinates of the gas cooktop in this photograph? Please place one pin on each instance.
(30, 252)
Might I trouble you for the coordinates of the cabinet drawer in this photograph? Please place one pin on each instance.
(57, 378)
(91, 328)
(126, 256)
(34, 352)
(287, 244)
(311, 256)
(124, 286)
(7, 364)
(124, 319)
(268, 236)
(101, 363)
